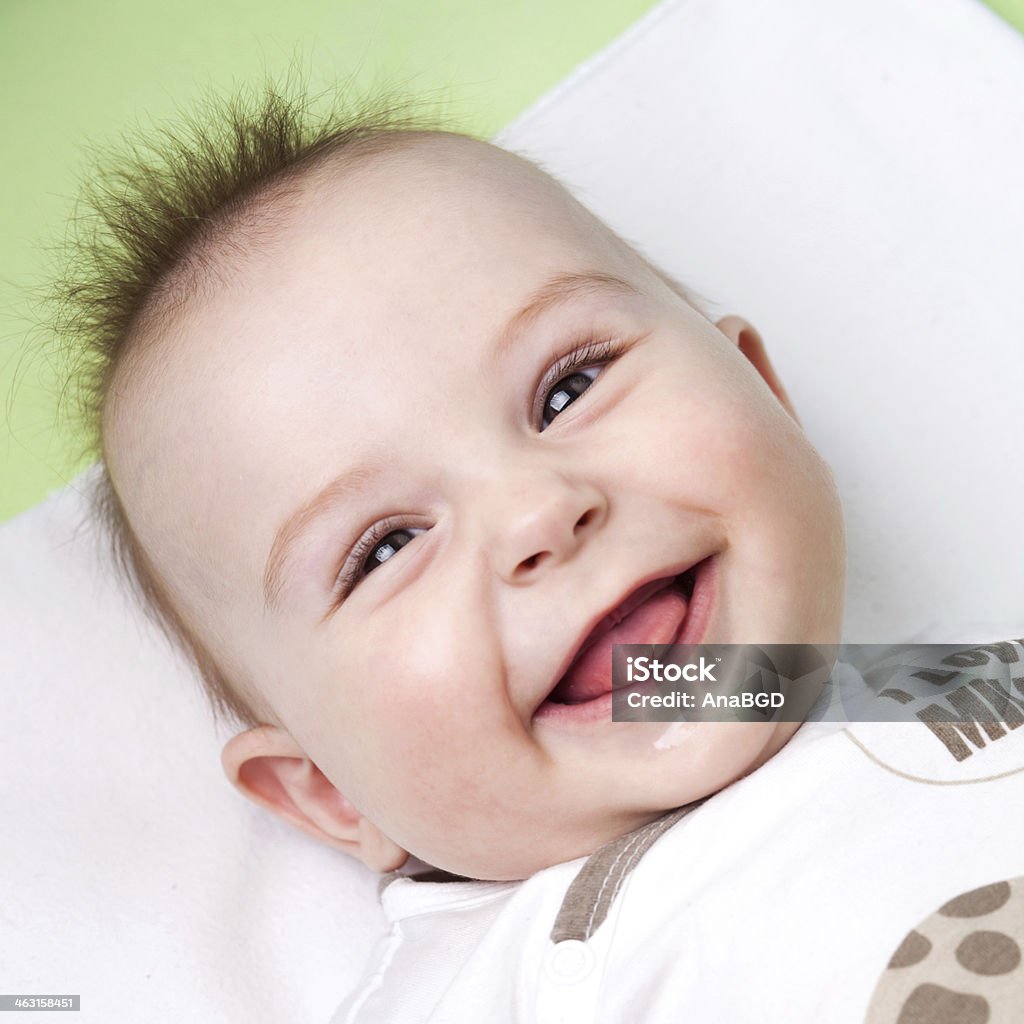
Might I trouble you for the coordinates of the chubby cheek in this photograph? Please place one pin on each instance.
(740, 458)
(708, 446)
(457, 803)
(421, 731)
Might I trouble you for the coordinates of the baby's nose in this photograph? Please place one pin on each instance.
(540, 521)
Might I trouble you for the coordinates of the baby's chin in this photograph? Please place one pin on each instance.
(700, 759)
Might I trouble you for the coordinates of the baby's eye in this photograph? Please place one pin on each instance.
(565, 392)
(378, 547)
(572, 375)
(387, 547)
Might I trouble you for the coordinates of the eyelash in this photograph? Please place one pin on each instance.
(349, 575)
(594, 352)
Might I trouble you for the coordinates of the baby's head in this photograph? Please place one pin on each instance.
(391, 425)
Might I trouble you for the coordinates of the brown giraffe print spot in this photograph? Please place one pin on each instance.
(912, 950)
(933, 1004)
(989, 953)
(963, 964)
(978, 901)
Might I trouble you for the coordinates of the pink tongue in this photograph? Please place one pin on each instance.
(656, 621)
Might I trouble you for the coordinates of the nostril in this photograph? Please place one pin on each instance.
(583, 520)
(529, 563)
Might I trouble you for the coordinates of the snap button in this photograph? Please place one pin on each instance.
(570, 961)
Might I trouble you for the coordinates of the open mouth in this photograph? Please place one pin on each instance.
(658, 612)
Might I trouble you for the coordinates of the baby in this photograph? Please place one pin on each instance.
(399, 440)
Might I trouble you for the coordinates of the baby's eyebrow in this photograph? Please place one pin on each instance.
(559, 289)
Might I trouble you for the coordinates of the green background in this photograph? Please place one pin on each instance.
(75, 71)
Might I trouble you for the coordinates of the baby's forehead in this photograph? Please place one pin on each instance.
(406, 209)
(434, 196)
(435, 239)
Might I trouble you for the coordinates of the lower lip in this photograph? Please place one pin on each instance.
(691, 631)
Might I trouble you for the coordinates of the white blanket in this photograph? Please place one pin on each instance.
(846, 175)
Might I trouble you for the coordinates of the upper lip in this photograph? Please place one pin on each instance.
(603, 621)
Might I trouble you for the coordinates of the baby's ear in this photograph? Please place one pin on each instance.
(744, 336)
(269, 767)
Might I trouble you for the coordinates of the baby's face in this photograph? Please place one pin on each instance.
(401, 505)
